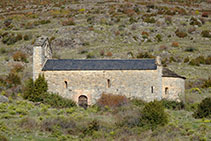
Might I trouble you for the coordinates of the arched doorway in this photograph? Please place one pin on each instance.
(83, 101)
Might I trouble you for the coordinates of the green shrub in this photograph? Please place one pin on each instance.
(207, 83)
(145, 55)
(26, 37)
(92, 126)
(194, 62)
(190, 49)
(137, 102)
(13, 80)
(203, 109)
(28, 123)
(35, 90)
(159, 37)
(3, 138)
(3, 50)
(112, 100)
(149, 20)
(50, 124)
(186, 60)
(56, 101)
(174, 105)
(153, 115)
(206, 33)
(194, 21)
(208, 60)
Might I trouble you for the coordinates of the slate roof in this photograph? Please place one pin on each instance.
(168, 73)
(91, 64)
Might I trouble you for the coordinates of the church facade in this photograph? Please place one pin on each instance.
(85, 80)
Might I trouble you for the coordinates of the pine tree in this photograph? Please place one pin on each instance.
(34, 91)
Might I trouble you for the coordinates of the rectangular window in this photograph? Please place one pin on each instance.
(152, 89)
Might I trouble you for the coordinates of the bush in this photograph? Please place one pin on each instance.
(153, 115)
(194, 21)
(26, 37)
(190, 49)
(34, 91)
(13, 80)
(28, 123)
(3, 138)
(158, 37)
(16, 68)
(175, 44)
(181, 34)
(50, 124)
(145, 55)
(197, 61)
(109, 54)
(149, 20)
(203, 109)
(19, 56)
(9, 39)
(207, 83)
(173, 105)
(112, 100)
(194, 62)
(186, 60)
(37, 92)
(92, 126)
(56, 101)
(69, 21)
(137, 102)
(206, 33)
(208, 60)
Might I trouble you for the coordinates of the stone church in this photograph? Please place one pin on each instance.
(85, 80)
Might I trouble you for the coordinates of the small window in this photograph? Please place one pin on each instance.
(152, 89)
(166, 90)
(66, 85)
(109, 83)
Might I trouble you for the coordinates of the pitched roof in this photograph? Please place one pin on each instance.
(168, 73)
(91, 64)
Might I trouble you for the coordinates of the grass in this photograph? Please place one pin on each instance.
(181, 126)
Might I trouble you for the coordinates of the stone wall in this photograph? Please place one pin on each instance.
(38, 60)
(173, 88)
(144, 84)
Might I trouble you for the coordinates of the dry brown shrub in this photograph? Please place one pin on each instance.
(109, 54)
(175, 44)
(19, 56)
(163, 47)
(17, 68)
(145, 33)
(112, 100)
(205, 14)
(69, 21)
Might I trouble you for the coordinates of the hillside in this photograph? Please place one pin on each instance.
(178, 31)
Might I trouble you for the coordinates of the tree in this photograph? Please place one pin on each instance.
(34, 91)
(153, 114)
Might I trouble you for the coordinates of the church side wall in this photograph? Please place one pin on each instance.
(173, 88)
(144, 84)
